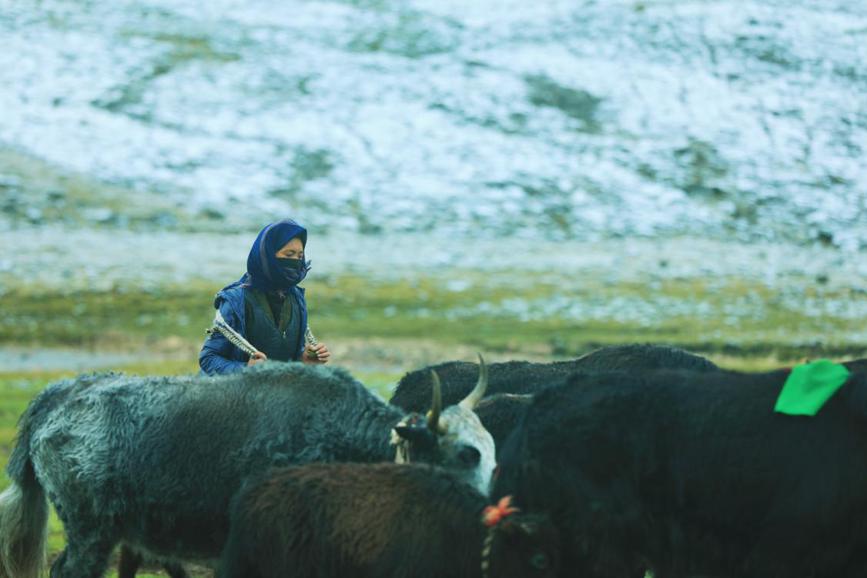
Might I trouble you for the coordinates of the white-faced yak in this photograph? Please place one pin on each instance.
(694, 474)
(380, 521)
(153, 462)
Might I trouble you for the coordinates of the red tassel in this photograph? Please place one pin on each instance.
(493, 515)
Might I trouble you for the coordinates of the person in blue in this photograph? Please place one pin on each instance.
(266, 305)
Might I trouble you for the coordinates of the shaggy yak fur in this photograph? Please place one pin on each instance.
(500, 412)
(377, 521)
(694, 474)
(523, 377)
(153, 462)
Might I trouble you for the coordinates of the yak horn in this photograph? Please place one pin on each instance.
(436, 408)
(478, 392)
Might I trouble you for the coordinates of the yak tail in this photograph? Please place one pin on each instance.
(23, 518)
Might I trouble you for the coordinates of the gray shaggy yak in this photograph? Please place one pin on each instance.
(379, 521)
(152, 462)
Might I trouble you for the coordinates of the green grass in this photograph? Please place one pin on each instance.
(719, 316)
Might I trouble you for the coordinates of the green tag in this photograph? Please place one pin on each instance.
(809, 386)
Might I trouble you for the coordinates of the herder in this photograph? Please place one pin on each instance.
(266, 306)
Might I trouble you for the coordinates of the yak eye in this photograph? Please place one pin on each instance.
(470, 456)
(539, 561)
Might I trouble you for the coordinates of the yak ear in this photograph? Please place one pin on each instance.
(418, 435)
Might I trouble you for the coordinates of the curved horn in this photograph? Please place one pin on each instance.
(478, 392)
(433, 416)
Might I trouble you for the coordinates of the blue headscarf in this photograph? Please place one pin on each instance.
(261, 262)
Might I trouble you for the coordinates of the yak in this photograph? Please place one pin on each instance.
(524, 377)
(379, 521)
(153, 462)
(500, 412)
(694, 474)
(512, 383)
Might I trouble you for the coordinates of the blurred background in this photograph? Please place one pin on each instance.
(527, 179)
(530, 179)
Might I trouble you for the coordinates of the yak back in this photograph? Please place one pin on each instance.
(362, 520)
(856, 365)
(642, 356)
(162, 456)
(692, 472)
(413, 391)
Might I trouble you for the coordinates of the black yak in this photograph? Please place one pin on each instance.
(512, 383)
(500, 412)
(153, 462)
(524, 377)
(694, 474)
(378, 521)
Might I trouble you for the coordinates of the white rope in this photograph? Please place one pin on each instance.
(233, 336)
(238, 340)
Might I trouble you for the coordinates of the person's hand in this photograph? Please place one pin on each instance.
(316, 354)
(257, 357)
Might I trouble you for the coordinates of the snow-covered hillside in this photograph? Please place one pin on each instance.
(544, 119)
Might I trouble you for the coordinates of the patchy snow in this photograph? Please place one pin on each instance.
(52, 257)
(542, 120)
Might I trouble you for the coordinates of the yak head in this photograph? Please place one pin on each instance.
(452, 438)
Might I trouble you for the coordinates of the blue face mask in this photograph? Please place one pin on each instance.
(290, 272)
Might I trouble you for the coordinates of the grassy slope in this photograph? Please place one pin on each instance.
(720, 316)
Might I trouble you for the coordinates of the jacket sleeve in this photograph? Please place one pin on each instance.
(216, 354)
